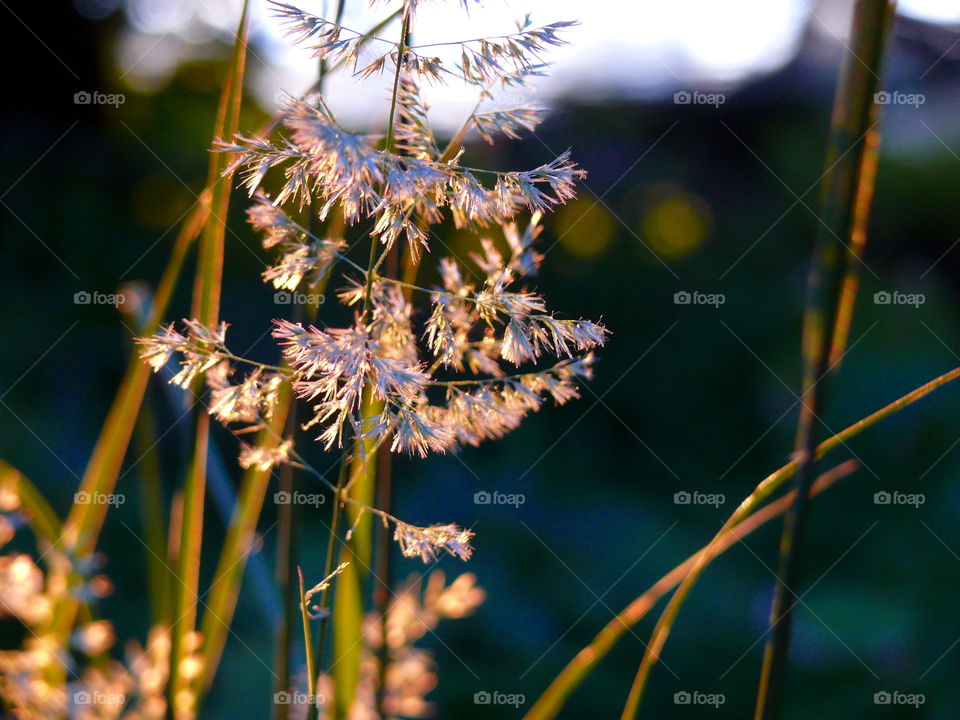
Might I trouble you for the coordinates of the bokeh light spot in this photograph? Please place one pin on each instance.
(584, 227)
(674, 223)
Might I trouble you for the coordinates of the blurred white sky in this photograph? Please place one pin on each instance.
(622, 47)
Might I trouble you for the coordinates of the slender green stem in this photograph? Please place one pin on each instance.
(307, 643)
(853, 110)
(381, 595)
(335, 514)
(288, 523)
(401, 50)
(313, 710)
(206, 308)
(188, 568)
(552, 700)
(152, 517)
(764, 490)
(368, 287)
(858, 241)
(349, 590)
(221, 600)
(388, 147)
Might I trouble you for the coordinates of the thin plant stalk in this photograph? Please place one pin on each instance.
(206, 307)
(39, 515)
(222, 599)
(382, 591)
(349, 592)
(854, 107)
(336, 513)
(555, 696)
(188, 566)
(308, 643)
(152, 515)
(288, 529)
(858, 241)
(290, 516)
(289, 520)
(764, 490)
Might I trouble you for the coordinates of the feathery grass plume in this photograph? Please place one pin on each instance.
(97, 687)
(439, 368)
(410, 672)
(427, 542)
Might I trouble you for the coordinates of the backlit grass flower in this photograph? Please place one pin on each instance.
(418, 369)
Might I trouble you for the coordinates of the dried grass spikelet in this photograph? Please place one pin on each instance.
(427, 542)
(411, 672)
(445, 366)
(99, 687)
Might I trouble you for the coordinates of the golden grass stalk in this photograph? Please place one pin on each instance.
(552, 700)
(206, 308)
(844, 208)
(664, 624)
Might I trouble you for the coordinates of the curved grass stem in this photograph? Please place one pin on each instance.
(833, 260)
(552, 700)
(569, 679)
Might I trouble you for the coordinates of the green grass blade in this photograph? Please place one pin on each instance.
(763, 491)
(40, 516)
(84, 520)
(854, 112)
(186, 591)
(348, 596)
(222, 599)
(307, 642)
(549, 704)
(152, 515)
(206, 308)
(858, 241)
